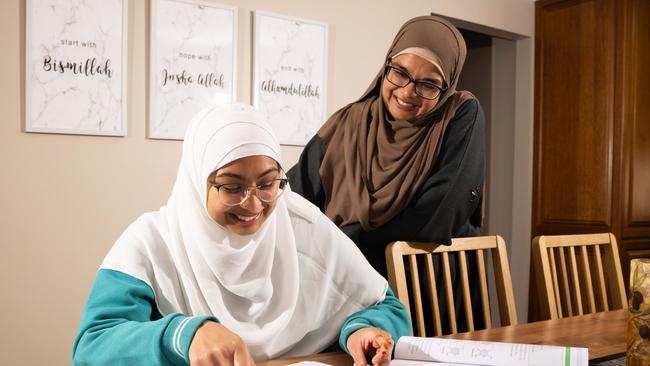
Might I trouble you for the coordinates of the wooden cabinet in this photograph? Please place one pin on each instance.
(591, 170)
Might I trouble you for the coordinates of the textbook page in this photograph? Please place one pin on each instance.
(397, 362)
(412, 350)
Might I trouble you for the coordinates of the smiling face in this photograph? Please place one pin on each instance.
(245, 218)
(402, 103)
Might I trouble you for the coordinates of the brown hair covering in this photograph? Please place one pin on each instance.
(373, 167)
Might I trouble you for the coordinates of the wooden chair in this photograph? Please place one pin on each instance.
(396, 251)
(567, 268)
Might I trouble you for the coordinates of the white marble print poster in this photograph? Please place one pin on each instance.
(290, 74)
(192, 65)
(75, 75)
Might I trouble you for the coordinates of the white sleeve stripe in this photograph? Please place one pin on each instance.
(355, 325)
(177, 336)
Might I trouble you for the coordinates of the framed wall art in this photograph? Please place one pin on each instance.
(75, 73)
(193, 48)
(290, 74)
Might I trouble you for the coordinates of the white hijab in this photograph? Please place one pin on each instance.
(286, 290)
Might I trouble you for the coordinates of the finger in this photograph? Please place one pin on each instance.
(383, 342)
(242, 357)
(381, 358)
(251, 362)
(222, 359)
(382, 352)
(358, 355)
(383, 361)
(208, 359)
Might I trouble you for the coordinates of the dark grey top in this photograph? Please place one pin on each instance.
(447, 205)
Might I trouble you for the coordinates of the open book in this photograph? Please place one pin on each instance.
(414, 351)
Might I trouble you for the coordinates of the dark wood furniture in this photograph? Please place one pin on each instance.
(591, 170)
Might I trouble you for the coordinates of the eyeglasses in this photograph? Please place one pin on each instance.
(236, 194)
(401, 78)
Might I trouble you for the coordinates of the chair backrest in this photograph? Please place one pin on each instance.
(397, 277)
(579, 274)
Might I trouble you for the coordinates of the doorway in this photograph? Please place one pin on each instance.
(498, 70)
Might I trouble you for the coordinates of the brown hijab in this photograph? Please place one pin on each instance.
(373, 167)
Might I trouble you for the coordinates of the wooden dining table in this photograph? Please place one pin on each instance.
(603, 333)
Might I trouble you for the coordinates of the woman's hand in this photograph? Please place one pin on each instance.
(370, 343)
(213, 344)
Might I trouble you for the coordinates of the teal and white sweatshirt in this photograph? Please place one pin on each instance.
(121, 325)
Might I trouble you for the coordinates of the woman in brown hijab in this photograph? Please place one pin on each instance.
(406, 160)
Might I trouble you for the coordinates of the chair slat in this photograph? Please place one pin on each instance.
(601, 278)
(470, 243)
(467, 297)
(485, 299)
(507, 308)
(619, 300)
(576, 280)
(417, 295)
(587, 274)
(431, 275)
(556, 288)
(565, 282)
(576, 240)
(450, 293)
(397, 274)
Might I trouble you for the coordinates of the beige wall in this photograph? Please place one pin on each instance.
(508, 17)
(65, 199)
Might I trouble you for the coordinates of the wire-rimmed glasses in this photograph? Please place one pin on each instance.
(234, 194)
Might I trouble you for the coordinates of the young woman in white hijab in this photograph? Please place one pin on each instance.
(235, 268)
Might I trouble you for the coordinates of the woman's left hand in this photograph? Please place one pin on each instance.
(372, 344)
